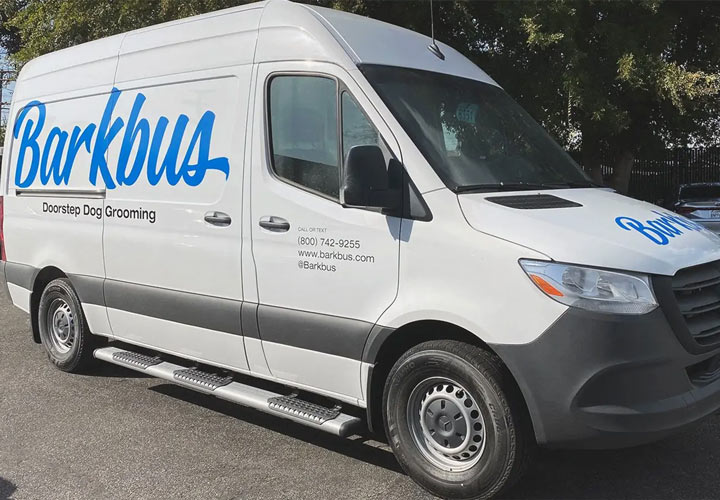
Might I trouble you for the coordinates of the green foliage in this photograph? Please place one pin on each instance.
(628, 77)
(624, 77)
(48, 25)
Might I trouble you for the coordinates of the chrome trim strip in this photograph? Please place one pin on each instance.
(62, 193)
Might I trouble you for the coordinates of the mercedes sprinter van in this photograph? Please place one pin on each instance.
(324, 201)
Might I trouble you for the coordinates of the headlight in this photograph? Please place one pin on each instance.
(592, 289)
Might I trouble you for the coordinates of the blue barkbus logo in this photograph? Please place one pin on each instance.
(53, 159)
(659, 230)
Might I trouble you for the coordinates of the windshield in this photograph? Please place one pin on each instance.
(472, 133)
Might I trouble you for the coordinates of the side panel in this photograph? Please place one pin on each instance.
(53, 211)
(188, 134)
(185, 90)
(195, 147)
(218, 40)
(57, 104)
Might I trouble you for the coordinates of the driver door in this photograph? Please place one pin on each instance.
(325, 273)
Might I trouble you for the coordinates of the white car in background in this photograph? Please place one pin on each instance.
(700, 203)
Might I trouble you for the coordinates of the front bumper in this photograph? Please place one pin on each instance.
(610, 381)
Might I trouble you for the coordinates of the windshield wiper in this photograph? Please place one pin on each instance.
(578, 185)
(500, 186)
(522, 186)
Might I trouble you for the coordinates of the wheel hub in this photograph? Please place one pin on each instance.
(61, 325)
(446, 424)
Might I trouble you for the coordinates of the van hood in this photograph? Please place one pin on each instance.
(594, 227)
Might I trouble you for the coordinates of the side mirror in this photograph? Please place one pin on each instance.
(366, 181)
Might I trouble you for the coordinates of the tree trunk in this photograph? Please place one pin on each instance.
(620, 180)
(591, 156)
(593, 166)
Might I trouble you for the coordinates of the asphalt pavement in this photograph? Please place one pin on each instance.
(117, 434)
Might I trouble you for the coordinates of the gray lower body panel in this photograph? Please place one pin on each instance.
(212, 313)
(20, 275)
(333, 335)
(338, 336)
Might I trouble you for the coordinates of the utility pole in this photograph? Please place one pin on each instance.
(6, 76)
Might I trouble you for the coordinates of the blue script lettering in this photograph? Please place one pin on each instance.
(53, 160)
(29, 142)
(659, 230)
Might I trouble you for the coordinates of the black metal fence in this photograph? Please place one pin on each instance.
(656, 178)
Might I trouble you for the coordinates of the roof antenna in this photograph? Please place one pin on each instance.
(433, 47)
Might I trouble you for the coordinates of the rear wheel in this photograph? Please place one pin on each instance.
(63, 329)
(456, 420)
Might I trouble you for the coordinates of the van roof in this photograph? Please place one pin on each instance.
(310, 33)
(370, 41)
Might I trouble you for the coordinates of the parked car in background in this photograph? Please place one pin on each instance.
(700, 202)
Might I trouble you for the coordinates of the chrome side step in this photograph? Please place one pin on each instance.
(135, 360)
(292, 405)
(325, 419)
(201, 379)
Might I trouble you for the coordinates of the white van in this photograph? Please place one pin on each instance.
(322, 201)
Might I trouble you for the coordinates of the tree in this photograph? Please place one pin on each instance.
(48, 25)
(629, 76)
(612, 79)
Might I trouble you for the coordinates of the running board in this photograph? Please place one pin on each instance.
(291, 407)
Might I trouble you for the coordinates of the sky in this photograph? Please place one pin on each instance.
(7, 89)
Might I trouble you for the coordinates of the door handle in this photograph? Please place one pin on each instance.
(218, 219)
(274, 224)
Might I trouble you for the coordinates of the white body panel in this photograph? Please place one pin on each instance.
(182, 251)
(310, 215)
(468, 279)
(591, 236)
(20, 297)
(97, 318)
(286, 361)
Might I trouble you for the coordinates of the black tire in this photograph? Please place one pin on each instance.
(59, 303)
(507, 441)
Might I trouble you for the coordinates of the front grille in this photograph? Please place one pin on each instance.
(697, 292)
(705, 372)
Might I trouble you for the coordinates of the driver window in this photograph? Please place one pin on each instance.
(304, 132)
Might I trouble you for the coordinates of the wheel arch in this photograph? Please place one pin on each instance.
(41, 280)
(385, 346)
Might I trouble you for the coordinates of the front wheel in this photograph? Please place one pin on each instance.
(456, 421)
(64, 332)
